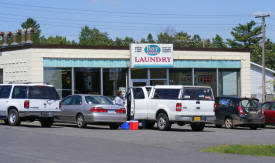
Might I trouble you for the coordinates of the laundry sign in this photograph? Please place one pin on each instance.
(151, 55)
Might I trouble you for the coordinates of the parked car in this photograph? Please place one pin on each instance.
(84, 109)
(168, 104)
(28, 102)
(269, 112)
(235, 111)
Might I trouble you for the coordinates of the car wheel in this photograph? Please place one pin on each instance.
(253, 127)
(80, 121)
(197, 126)
(114, 126)
(228, 123)
(218, 126)
(13, 117)
(46, 122)
(163, 122)
(149, 124)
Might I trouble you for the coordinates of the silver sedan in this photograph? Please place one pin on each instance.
(84, 109)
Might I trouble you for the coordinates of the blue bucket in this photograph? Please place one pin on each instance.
(125, 125)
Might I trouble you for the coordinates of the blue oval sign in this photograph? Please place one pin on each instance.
(152, 50)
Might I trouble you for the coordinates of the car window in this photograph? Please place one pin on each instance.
(43, 92)
(138, 93)
(77, 100)
(67, 101)
(265, 106)
(197, 94)
(19, 92)
(272, 107)
(249, 103)
(166, 94)
(224, 102)
(5, 91)
(98, 100)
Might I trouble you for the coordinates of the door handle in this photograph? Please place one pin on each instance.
(197, 102)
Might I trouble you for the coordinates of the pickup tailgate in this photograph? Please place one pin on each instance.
(197, 104)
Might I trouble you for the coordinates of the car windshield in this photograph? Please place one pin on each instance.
(5, 91)
(250, 103)
(43, 92)
(98, 100)
(197, 94)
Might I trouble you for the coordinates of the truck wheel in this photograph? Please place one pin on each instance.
(114, 126)
(163, 122)
(228, 123)
(80, 121)
(149, 124)
(13, 117)
(197, 126)
(46, 122)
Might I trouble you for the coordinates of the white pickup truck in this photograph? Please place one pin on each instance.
(168, 104)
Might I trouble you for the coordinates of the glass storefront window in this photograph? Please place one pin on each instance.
(229, 82)
(139, 73)
(157, 73)
(87, 80)
(180, 76)
(60, 78)
(206, 77)
(114, 79)
(1, 76)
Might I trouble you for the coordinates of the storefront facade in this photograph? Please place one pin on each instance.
(104, 70)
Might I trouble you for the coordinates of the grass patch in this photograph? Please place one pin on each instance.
(252, 150)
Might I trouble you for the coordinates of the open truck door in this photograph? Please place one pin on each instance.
(130, 104)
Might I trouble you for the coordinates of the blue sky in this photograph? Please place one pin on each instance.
(136, 18)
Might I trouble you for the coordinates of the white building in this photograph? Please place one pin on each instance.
(103, 70)
(256, 81)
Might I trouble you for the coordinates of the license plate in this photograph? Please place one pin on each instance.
(46, 114)
(111, 111)
(197, 118)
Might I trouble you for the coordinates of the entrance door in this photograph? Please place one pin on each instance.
(140, 82)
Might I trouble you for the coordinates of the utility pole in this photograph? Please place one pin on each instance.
(263, 55)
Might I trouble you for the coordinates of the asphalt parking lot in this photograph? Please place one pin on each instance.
(65, 143)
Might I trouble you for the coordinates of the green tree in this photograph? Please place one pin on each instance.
(93, 37)
(165, 38)
(31, 23)
(217, 42)
(57, 40)
(245, 35)
(182, 39)
(150, 38)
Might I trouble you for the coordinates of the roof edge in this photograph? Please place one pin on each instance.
(260, 66)
(113, 48)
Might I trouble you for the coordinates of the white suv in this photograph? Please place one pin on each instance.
(28, 102)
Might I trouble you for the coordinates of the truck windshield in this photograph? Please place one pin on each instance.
(197, 94)
(5, 91)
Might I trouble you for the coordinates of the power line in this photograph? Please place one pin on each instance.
(119, 12)
(115, 22)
